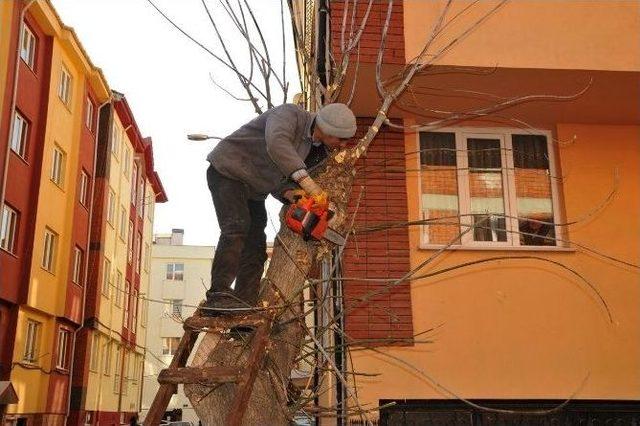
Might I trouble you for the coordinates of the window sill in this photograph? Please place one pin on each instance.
(67, 104)
(57, 185)
(30, 67)
(500, 248)
(10, 253)
(20, 157)
(47, 271)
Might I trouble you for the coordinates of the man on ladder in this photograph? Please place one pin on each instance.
(272, 154)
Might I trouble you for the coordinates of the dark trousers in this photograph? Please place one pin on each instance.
(242, 247)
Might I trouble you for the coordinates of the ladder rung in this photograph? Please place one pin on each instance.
(199, 375)
(223, 322)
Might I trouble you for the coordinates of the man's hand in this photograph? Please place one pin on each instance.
(310, 186)
(293, 195)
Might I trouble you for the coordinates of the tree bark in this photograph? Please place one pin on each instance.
(291, 261)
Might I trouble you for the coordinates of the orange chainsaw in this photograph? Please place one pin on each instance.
(309, 217)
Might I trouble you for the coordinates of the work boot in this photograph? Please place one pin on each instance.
(222, 304)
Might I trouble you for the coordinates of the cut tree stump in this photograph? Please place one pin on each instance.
(291, 261)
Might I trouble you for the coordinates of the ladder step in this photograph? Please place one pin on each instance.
(224, 322)
(200, 375)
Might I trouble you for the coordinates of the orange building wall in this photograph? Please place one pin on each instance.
(524, 328)
(579, 34)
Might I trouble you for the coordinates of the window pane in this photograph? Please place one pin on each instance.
(176, 307)
(89, 115)
(77, 265)
(31, 342)
(106, 277)
(486, 189)
(95, 347)
(533, 190)
(9, 229)
(19, 135)
(118, 290)
(48, 254)
(27, 51)
(439, 183)
(63, 344)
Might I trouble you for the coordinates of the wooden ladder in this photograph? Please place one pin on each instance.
(244, 377)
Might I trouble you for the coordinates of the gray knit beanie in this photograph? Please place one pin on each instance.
(337, 120)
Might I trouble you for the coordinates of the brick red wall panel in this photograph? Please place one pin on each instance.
(23, 176)
(372, 34)
(385, 316)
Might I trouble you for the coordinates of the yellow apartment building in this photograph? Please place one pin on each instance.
(49, 171)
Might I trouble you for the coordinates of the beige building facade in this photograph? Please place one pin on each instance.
(180, 275)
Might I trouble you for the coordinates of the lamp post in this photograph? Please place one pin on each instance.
(201, 137)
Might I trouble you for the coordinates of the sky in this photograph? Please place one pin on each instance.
(166, 80)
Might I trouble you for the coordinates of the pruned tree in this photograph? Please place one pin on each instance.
(287, 279)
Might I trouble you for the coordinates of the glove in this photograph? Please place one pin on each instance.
(310, 186)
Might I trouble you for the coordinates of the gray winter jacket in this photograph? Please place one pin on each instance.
(266, 151)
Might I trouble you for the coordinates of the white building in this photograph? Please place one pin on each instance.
(180, 275)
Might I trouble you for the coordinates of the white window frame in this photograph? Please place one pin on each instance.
(174, 307)
(106, 277)
(170, 349)
(76, 272)
(20, 135)
(171, 273)
(118, 289)
(134, 310)
(116, 375)
(32, 342)
(125, 372)
(150, 207)
(28, 48)
(94, 357)
(130, 243)
(89, 111)
(134, 182)
(508, 180)
(140, 206)
(142, 303)
(127, 162)
(136, 369)
(58, 164)
(83, 192)
(49, 250)
(138, 248)
(116, 139)
(9, 229)
(64, 342)
(65, 86)
(147, 257)
(127, 303)
(123, 224)
(111, 206)
(106, 368)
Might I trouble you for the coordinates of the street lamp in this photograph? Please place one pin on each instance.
(201, 137)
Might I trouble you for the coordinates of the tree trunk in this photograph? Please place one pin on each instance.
(291, 261)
